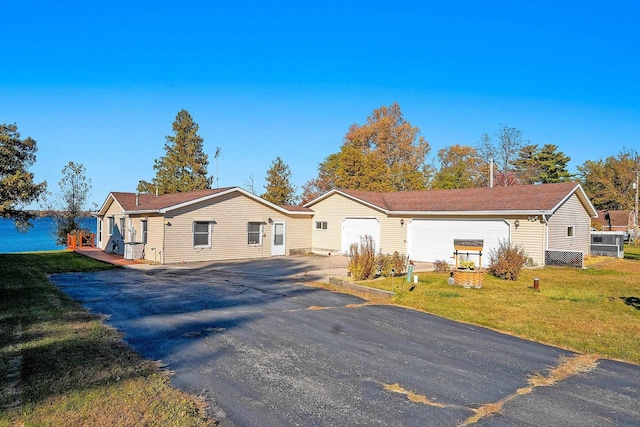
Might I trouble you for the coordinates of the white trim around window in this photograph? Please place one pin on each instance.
(321, 225)
(202, 231)
(254, 233)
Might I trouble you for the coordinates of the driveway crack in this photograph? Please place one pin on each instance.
(567, 367)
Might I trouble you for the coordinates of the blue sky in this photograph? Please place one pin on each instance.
(101, 83)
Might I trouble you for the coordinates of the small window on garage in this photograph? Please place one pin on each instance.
(569, 231)
(254, 233)
(321, 225)
(202, 234)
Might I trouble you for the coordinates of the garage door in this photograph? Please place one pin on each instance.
(354, 228)
(432, 239)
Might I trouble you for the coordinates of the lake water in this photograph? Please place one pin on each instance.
(38, 238)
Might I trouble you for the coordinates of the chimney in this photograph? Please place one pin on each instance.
(137, 199)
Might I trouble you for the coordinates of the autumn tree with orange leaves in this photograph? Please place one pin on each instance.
(386, 153)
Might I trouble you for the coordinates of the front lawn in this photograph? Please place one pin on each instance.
(594, 310)
(632, 252)
(60, 365)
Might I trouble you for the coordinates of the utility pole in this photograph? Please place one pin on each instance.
(635, 219)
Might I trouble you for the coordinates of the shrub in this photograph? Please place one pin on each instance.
(361, 258)
(441, 266)
(385, 264)
(507, 261)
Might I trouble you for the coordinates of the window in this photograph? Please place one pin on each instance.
(145, 227)
(569, 231)
(254, 233)
(111, 225)
(202, 234)
(321, 225)
(122, 227)
(100, 231)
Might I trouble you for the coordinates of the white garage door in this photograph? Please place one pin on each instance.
(354, 228)
(432, 239)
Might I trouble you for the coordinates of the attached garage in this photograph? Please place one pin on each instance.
(354, 228)
(432, 239)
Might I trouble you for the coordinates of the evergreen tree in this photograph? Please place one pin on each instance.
(280, 190)
(184, 166)
(16, 183)
(542, 165)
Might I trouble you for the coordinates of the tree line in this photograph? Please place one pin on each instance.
(386, 153)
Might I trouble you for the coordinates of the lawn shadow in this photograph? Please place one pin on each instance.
(632, 301)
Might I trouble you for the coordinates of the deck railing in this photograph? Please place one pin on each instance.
(79, 240)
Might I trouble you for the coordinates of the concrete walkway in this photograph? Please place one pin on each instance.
(299, 267)
(100, 255)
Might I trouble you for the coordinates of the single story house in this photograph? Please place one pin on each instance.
(617, 220)
(231, 223)
(205, 225)
(423, 224)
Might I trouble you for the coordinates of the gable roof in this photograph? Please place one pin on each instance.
(618, 218)
(149, 203)
(517, 199)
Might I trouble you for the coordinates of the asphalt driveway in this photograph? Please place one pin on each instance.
(263, 349)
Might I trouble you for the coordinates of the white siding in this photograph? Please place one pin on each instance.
(230, 215)
(530, 235)
(570, 214)
(335, 208)
(107, 243)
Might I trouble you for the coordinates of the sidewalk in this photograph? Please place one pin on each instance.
(100, 255)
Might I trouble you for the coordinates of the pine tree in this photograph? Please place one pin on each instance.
(280, 190)
(184, 166)
(16, 183)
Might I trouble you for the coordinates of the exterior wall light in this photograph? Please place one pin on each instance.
(516, 224)
(401, 222)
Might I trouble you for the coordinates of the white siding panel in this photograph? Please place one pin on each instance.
(432, 239)
(354, 229)
(570, 214)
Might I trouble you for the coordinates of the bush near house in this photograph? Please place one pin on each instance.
(362, 259)
(507, 261)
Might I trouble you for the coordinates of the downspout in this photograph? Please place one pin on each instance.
(545, 221)
(164, 226)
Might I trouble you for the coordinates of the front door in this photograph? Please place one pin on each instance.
(278, 239)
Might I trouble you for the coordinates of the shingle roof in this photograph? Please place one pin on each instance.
(618, 219)
(296, 208)
(526, 198)
(128, 200)
(167, 200)
(152, 203)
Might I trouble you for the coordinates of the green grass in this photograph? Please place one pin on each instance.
(632, 252)
(60, 365)
(594, 310)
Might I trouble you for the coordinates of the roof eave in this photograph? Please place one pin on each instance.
(471, 213)
(229, 191)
